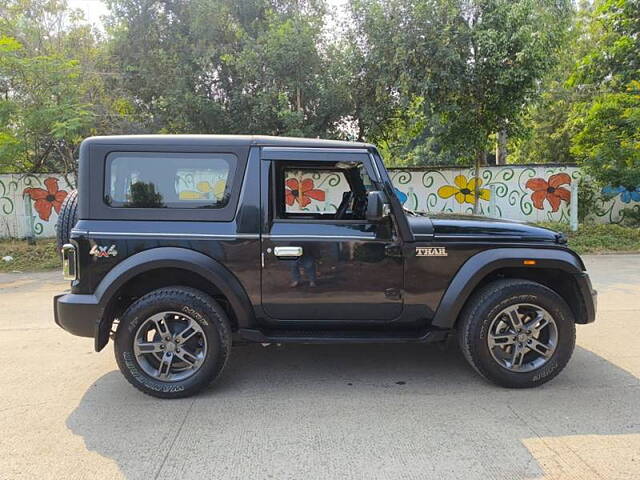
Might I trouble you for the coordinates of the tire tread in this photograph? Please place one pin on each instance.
(221, 323)
(67, 218)
(471, 315)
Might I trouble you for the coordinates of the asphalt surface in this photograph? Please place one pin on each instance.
(320, 411)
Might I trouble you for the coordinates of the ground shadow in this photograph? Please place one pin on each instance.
(352, 411)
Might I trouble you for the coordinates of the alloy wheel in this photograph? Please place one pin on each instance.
(522, 337)
(170, 346)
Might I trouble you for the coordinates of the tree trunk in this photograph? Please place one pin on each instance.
(476, 176)
(501, 148)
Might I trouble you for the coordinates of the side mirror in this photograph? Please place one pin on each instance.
(377, 208)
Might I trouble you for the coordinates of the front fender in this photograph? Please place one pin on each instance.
(484, 263)
(171, 257)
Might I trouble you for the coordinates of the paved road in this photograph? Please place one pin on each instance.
(314, 411)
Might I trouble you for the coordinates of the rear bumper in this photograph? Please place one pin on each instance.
(77, 314)
(590, 297)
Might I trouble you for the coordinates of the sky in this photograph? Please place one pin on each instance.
(94, 9)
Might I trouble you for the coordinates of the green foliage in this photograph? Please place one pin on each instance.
(474, 63)
(606, 125)
(594, 238)
(613, 36)
(631, 216)
(606, 139)
(589, 197)
(430, 82)
(589, 109)
(221, 66)
(50, 96)
(607, 142)
(28, 258)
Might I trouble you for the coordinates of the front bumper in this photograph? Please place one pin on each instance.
(77, 314)
(589, 296)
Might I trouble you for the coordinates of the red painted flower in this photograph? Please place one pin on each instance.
(549, 190)
(45, 200)
(302, 192)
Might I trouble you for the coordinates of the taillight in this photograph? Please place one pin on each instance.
(69, 262)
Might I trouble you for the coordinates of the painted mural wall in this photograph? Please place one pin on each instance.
(522, 192)
(527, 193)
(31, 203)
(532, 193)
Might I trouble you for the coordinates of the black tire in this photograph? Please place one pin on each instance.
(486, 305)
(203, 309)
(67, 219)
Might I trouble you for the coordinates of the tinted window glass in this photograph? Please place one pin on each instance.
(338, 192)
(169, 180)
(317, 191)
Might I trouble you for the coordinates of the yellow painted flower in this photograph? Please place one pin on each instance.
(464, 190)
(204, 191)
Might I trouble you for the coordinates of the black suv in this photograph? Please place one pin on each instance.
(185, 242)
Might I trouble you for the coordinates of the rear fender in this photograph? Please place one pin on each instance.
(170, 257)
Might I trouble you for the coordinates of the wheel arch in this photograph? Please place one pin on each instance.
(166, 266)
(556, 269)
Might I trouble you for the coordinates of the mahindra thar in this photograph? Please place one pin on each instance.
(185, 242)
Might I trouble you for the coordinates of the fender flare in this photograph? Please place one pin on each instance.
(482, 264)
(171, 257)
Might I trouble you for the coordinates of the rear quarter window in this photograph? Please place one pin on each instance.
(169, 180)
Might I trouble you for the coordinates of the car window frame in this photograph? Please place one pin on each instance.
(313, 158)
(93, 174)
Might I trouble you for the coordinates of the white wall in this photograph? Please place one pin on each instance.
(30, 199)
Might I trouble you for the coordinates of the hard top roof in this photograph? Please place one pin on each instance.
(226, 140)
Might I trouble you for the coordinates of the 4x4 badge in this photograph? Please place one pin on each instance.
(99, 252)
(431, 252)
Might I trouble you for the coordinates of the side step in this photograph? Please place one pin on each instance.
(342, 336)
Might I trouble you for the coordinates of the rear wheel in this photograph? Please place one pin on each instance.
(173, 342)
(517, 333)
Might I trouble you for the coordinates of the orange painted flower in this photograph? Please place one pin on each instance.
(549, 190)
(302, 192)
(45, 200)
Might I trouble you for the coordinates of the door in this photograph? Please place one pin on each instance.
(322, 260)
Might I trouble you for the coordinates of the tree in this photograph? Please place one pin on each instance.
(607, 124)
(221, 66)
(474, 62)
(51, 95)
(544, 134)
(608, 138)
(42, 115)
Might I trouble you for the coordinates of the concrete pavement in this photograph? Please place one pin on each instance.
(320, 411)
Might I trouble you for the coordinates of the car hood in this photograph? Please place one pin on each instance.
(467, 227)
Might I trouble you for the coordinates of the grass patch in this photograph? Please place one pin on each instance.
(592, 238)
(29, 258)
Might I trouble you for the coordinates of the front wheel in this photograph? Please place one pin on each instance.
(173, 342)
(517, 333)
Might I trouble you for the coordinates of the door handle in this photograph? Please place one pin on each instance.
(288, 252)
